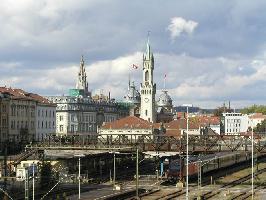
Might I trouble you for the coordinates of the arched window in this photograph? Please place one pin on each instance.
(146, 76)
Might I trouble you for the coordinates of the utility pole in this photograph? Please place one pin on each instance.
(114, 173)
(252, 162)
(137, 174)
(5, 165)
(26, 184)
(79, 156)
(187, 159)
(79, 177)
(33, 184)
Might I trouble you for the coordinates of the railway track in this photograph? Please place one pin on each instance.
(211, 194)
(161, 195)
(247, 194)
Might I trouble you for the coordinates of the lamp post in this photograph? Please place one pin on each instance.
(252, 162)
(33, 180)
(187, 160)
(137, 174)
(79, 156)
(114, 172)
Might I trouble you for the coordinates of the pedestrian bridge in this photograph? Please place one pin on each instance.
(148, 142)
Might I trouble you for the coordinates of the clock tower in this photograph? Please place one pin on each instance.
(147, 87)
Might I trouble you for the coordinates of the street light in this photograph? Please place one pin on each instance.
(187, 158)
(114, 175)
(252, 161)
(137, 174)
(79, 156)
(33, 184)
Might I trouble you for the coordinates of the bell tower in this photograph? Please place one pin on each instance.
(147, 87)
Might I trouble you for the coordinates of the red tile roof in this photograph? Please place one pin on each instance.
(257, 116)
(127, 123)
(21, 94)
(208, 120)
(182, 124)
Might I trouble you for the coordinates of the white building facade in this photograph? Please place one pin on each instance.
(79, 115)
(255, 119)
(234, 123)
(128, 126)
(45, 120)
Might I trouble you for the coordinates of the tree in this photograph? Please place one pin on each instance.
(254, 109)
(220, 110)
(47, 176)
(261, 127)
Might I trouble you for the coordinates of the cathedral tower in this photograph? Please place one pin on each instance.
(147, 87)
(82, 83)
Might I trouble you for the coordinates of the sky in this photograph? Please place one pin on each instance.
(211, 51)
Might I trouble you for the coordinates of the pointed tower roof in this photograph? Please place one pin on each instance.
(82, 77)
(148, 53)
(82, 61)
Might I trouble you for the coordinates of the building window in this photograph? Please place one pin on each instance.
(146, 75)
(4, 108)
(72, 128)
(146, 112)
(61, 128)
(61, 117)
(32, 112)
(32, 125)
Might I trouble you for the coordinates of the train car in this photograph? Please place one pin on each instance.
(177, 168)
(207, 163)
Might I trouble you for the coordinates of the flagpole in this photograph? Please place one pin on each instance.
(164, 83)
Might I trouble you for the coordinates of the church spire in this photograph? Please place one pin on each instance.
(82, 77)
(148, 54)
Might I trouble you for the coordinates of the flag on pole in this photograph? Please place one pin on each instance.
(135, 66)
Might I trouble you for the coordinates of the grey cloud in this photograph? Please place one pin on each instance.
(44, 36)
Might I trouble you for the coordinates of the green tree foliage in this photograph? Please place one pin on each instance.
(254, 109)
(47, 176)
(261, 127)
